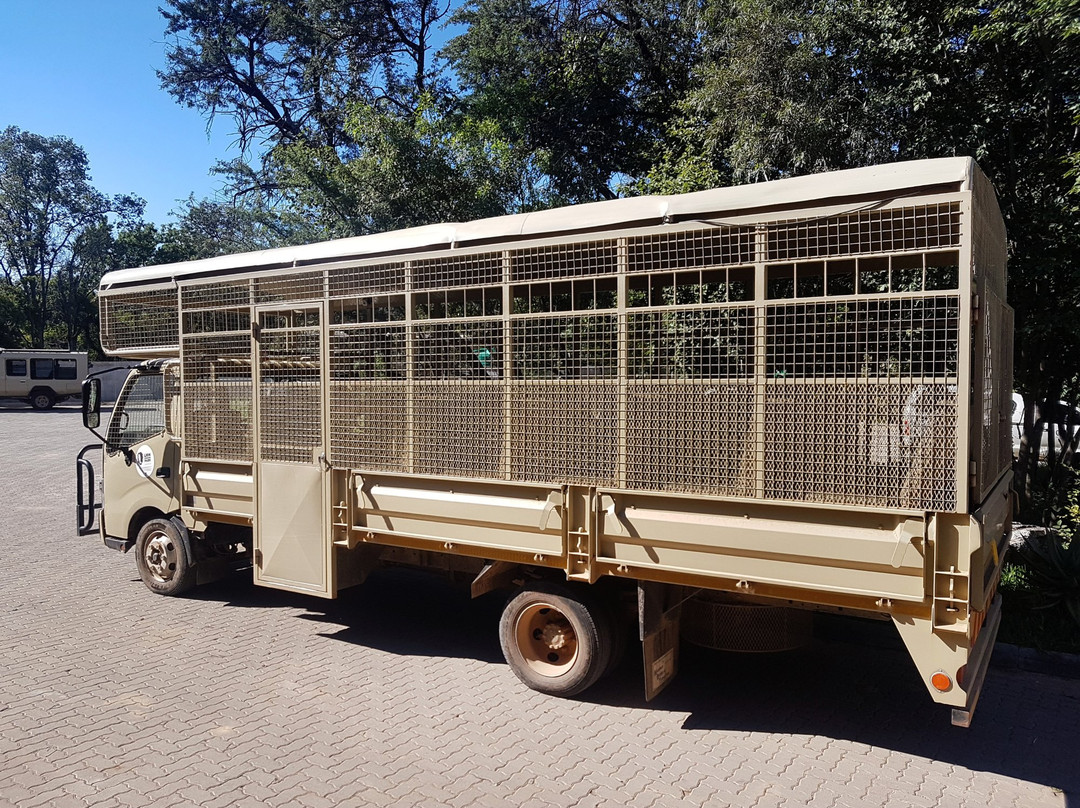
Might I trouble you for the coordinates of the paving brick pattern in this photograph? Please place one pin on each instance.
(396, 695)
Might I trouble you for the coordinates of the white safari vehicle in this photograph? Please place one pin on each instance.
(732, 408)
(41, 378)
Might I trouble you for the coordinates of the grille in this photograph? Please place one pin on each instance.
(133, 321)
(171, 383)
(217, 396)
(715, 246)
(141, 402)
(691, 437)
(366, 280)
(216, 370)
(996, 450)
(451, 271)
(652, 362)
(584, 346)
(215, 296)
(369, 397)
(910, 228)
(710, 621)
(913, 337)
(887, 444)
(290, 379)
(565, 260)
(295, 287)
(564, 431)
(714, 343)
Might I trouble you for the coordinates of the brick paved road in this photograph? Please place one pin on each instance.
(397, 695)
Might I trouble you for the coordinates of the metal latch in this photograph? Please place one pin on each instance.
(906, 533)
(554, 500)
(613, 523)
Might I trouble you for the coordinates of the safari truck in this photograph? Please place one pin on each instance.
(41, 378)
(720, 411)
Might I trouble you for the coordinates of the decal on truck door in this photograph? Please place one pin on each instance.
(144, 461)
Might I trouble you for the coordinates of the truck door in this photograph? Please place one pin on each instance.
(291, 544)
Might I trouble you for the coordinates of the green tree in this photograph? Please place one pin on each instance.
(582, 89)
(792, 87)
(286, 71)
(208, 228)
(407, 171)
(47, 208)
(12, 326)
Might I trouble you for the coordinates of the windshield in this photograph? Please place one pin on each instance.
(140, 412)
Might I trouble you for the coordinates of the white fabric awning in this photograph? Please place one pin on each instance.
(881, 182)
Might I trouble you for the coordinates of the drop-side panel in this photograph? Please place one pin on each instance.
(218, 489)
(878, 555)
(290, 528)
(521, 519)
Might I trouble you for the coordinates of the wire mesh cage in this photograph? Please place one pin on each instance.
(816, 359)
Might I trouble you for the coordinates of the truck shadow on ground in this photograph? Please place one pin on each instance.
(868, 693)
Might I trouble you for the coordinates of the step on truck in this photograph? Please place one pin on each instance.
(734, 407)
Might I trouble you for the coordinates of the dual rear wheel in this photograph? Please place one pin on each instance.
(560, 639)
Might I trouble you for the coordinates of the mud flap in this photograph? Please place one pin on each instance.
(659, 609)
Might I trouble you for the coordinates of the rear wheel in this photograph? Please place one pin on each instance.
(164, 558)
(42, 399)
(556, 639)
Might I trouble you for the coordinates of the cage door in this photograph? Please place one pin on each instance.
(292, 548)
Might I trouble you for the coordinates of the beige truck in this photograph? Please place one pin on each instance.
(41, 377)
(731, 408)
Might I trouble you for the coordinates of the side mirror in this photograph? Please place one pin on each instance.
(91, 403)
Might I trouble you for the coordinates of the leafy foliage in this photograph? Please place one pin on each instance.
(1053, 571)
(49, 217)
(286, 72)
(581, 88)
(407, 171)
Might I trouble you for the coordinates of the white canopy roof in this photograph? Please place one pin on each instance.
(893, 179)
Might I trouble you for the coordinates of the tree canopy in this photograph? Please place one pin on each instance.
(49, 215)
(361, 117)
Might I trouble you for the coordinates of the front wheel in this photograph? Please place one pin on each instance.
(42, 399)
(164, 558)
(556, 639)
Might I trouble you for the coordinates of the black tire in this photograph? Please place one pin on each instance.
(556, 639)
(164, 557)
(42, 399)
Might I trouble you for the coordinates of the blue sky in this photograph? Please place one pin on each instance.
(86, 69)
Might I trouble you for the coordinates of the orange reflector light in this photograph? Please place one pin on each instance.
(941, 681)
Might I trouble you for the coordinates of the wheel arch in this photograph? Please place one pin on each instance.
(38, 389)
(141, 517)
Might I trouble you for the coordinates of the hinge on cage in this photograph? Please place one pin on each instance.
(975, 309)
(256, 329)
